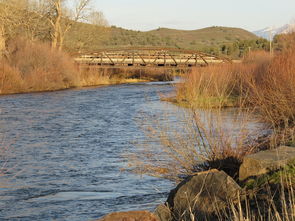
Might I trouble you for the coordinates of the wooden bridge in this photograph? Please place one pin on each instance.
(148, 57)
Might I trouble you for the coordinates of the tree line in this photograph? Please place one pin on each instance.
(240, 48)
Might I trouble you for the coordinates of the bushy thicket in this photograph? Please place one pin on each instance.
(33, 66)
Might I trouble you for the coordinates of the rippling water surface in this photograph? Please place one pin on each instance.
(65, 153)
(65, 150)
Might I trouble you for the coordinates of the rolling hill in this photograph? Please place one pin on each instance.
(88, 37)
(206, 37)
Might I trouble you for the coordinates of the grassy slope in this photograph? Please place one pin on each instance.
(88, 37)
(206, 37)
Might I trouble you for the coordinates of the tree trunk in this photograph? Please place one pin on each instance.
(2, 41)
(57, 25)
(61, 38)
(59, 29)
(61, 42)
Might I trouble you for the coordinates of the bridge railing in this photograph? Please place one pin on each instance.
(171, 58)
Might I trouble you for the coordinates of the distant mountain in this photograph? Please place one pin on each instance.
(266, 32)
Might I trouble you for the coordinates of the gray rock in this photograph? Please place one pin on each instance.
(202, 195)
(266, 161)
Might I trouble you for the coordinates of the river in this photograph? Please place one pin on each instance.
(64, 152)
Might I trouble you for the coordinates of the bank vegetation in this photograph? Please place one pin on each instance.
(261, 90)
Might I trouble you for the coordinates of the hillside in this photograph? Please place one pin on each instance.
(88, 37)
(206, 37)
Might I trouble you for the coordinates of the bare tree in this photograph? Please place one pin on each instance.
(62, 19)
(12, 19)
(97, 18)
(20, 18)
(47, 20)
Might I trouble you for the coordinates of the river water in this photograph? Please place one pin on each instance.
(65, 153)
(63, 158)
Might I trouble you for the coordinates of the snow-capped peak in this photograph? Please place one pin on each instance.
(272, 31)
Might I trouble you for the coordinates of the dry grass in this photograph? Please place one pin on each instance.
(272, 88)
(10, 79)
(96, 76)
(272, 93)
(92, 76)
(201, 140)
(222, 85)
(285, 41)
(33, 66)
(208, 87)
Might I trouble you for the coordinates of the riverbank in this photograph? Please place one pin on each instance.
(35, 67)
(262, 87)
(105, 82)
(84, 86)
(263, 191)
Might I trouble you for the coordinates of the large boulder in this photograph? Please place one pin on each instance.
(201, 196)
(266, 161)
(130, 216)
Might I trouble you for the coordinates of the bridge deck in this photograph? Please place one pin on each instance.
(151, 57)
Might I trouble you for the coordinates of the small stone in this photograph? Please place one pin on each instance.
(265, 161)
(130, 216)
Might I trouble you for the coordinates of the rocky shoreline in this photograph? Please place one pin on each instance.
(213, 194)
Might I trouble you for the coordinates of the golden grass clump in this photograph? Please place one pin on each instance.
(221, 85)
(34, 66)
(207, 87)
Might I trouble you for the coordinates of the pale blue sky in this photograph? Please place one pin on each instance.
(194, 14)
